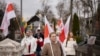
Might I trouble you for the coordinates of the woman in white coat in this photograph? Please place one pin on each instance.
(29, 44)
(70, 45)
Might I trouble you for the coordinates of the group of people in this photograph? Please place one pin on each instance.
(32, 45)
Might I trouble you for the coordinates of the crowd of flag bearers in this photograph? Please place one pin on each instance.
(49, 43)
(43, 44)
(33, 45)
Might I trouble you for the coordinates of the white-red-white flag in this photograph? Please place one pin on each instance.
(62, 32)
(67, 25)
(9, 14)
(47, 30)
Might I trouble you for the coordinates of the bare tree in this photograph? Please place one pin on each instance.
(2, 5)
(60, 8)
(62, 12)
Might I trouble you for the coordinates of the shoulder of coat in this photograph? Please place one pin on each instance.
(47, 45)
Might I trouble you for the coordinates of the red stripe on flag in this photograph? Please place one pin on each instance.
(46, 31)
(10, 8)
(62, 36)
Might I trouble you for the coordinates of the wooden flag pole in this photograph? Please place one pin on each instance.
(51, 49)
(19, 27)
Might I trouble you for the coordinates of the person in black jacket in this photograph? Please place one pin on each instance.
(40, 39)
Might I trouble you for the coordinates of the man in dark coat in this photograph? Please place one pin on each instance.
(40, 39)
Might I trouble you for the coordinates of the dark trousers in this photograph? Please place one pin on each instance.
(38, 53)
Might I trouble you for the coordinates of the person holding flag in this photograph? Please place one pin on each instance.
(29, 44)
(53, 48)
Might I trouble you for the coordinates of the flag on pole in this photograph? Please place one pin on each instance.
(9, 14)
(47, 30)
(62, 32)
(67, 26)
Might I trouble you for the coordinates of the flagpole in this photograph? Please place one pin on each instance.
(18, 25)
(71, 9)
(51, 49)
(21, 3)
(21, 8)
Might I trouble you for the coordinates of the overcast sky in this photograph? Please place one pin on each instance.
(30, 7)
